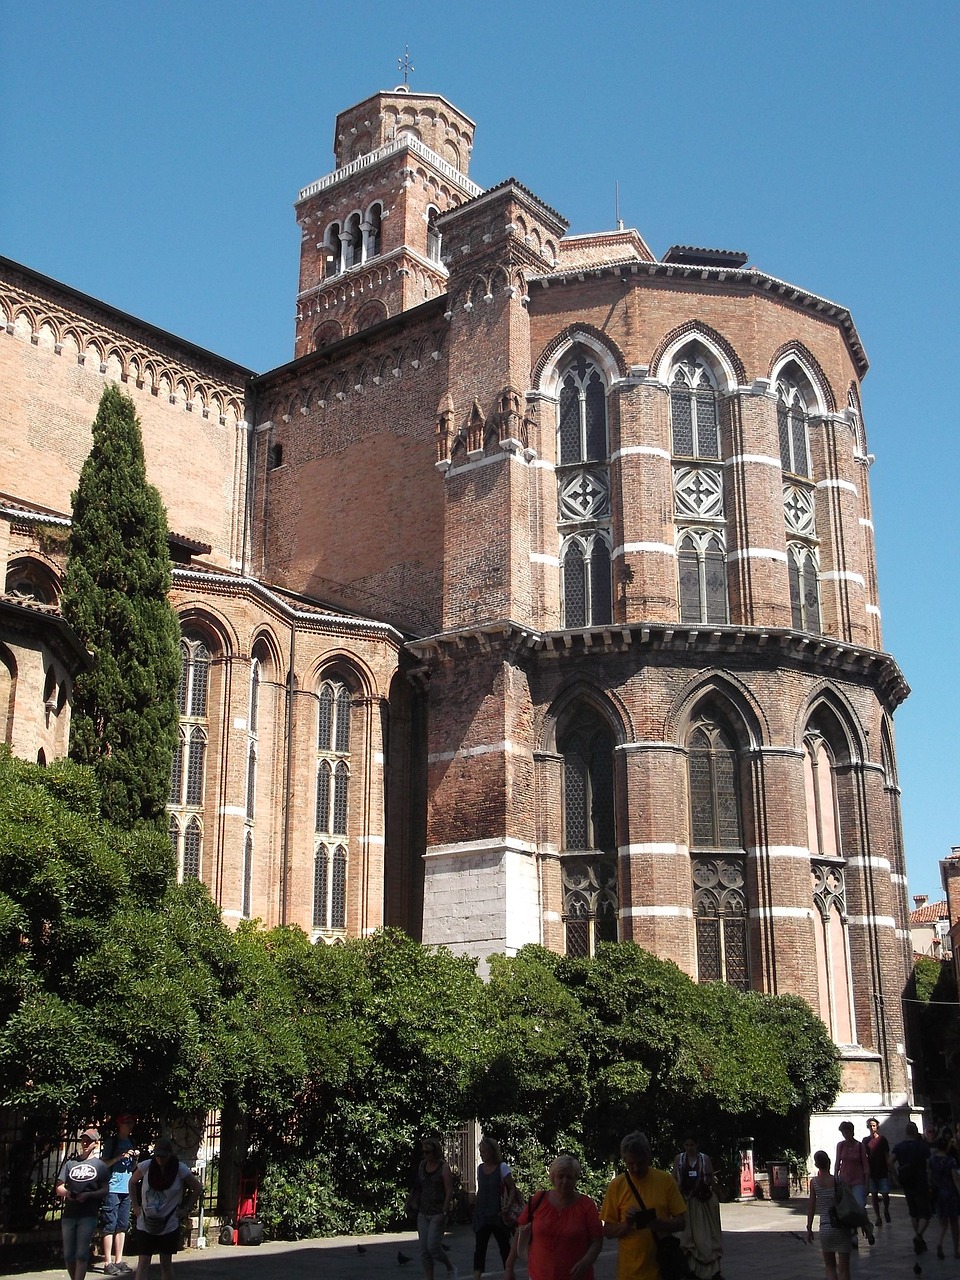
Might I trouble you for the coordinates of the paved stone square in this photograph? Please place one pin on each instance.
(761, 1239)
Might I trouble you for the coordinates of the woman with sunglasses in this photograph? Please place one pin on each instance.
(161, 1189)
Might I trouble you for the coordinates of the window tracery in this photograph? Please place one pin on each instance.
(804, 576)
(583, 495)
(188, 769)
(792, 428)
(589, 863)
(332, 806)
(717, 857)
(698, 491)
(828, 884)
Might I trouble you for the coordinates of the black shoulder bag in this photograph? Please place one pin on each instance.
(670, 1257)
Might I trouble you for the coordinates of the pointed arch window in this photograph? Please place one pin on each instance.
(804, 575)
(194, 677)
(583, 495)
(433, 234)
(330, 888)
(694, 409)
(582, 429)
(246, 897)
(254, 695)
(828, 875)
(718, 859)
(334, 706)
(188, 766)
(792, 428)
(585, 574)
(702, 567)
(698, 491)
(251, 782)
(589, 863)
(192, 850)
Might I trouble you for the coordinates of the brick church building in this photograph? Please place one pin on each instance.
(534, 600)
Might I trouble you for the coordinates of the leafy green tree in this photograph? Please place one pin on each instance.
(933, 1029)
(124, 719)
(394, 1035)
(632, 1042)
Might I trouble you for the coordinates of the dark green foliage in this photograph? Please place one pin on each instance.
(933, 1029)
(629, 1041)
(118, 986)
(392, 1032)
(124, 717)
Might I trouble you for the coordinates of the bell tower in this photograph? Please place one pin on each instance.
(370, 247)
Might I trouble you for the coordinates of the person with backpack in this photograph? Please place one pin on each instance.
(495, 1190)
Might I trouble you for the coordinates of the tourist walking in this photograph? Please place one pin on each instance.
(853, 1170)
(81, 1185)
(835, 1242)
(493, 1180)
(944, 1183)
(909, 1162)
(878, 1163)
(641, 1205)
(430, 1200)
(119, 1154)
(565, 1232)
(701, 1240)
(161, 1190)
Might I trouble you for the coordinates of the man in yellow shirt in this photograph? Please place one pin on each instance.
(637, 1227)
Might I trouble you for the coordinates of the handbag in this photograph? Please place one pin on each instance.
(671, 1259)
(511, 1204)
(845, 1211)
(525, 1233)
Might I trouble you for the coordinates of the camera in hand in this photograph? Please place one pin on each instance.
(642, 1218)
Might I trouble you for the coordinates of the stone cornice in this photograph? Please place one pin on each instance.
(747, 277)
(295, 612)
(820, 655)
(404, 142)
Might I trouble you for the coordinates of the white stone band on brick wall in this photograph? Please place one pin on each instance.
(836, 484)
(484, 749)
(879, 922)
(781, 913)
(757, 553)
(648, 449)
(843, 575)
(869, 860)
(655, 847)
(779, 851)
(663, 548)
(764, 459)
(685, 913)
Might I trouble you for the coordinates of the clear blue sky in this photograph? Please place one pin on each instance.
(150, 154)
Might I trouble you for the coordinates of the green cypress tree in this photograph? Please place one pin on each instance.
(125, 712)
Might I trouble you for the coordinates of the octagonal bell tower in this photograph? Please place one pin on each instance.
(369, 244)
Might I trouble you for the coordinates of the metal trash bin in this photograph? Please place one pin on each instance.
(779, 1174)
